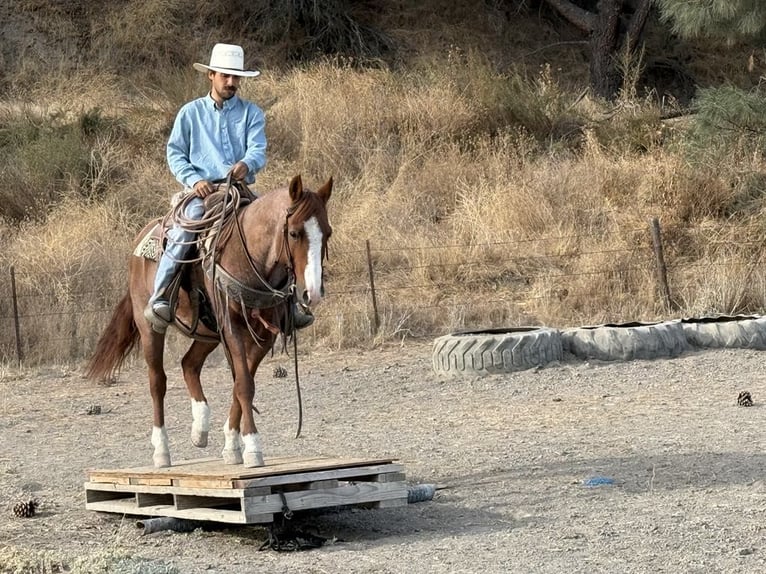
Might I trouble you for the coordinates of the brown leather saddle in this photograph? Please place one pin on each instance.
(190, 276)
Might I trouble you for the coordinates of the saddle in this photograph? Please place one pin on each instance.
(190, 276)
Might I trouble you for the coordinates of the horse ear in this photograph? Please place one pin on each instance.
(296, 188)
(325, 191)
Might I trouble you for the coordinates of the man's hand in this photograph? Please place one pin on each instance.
(239, 171)
(203, 188)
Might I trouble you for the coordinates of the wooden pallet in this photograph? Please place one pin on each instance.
(207, 489)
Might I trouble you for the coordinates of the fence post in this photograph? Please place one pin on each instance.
(17, 328)
(376, 318)
(662, 271)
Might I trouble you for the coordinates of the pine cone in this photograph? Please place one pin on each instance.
(744, 399)
(25, 508)
(280, 372)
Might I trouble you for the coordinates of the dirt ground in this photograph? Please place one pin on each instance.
(513, 452)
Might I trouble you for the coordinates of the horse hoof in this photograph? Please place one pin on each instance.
(199, 438)
(161, 460)
(232, 456)
(253, 459)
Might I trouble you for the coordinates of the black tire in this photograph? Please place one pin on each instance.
(626, 341)
(726, 331)
(496, 350)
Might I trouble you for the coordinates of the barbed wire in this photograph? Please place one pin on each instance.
(42, 294)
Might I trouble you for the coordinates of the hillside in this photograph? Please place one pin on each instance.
(475, 175)
(134, 38)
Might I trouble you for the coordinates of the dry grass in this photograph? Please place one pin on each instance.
(490, 195)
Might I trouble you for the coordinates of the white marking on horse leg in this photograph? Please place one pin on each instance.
(253, 455)
(200, 423)
(161, 455)
(232, 451)
(312, 276)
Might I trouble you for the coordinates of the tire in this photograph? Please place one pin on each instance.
(496, 351)
(726, 331)
(626, 341)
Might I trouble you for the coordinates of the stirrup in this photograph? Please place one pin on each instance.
(159, 315)
(302, 316)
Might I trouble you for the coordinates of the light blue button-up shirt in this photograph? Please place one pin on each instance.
(207, 141)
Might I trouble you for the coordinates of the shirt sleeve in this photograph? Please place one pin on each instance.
(255, 155)
(178, 150)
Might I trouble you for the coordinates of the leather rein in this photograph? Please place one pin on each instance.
(227, 287)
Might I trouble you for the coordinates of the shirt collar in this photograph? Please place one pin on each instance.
(227, 104)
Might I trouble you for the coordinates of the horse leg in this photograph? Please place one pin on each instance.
(245, 357)
(253, 453)
(153, 344)
(191, 365)
(232, 449)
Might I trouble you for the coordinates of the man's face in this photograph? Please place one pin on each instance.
(224, 86)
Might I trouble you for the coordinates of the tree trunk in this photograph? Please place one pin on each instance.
(604, 43)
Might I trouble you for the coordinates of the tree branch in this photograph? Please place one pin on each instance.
(637, 23)
(578, 17)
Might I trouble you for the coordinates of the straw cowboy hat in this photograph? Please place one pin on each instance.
(227, 59)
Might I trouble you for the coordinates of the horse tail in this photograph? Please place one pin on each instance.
(116, 342)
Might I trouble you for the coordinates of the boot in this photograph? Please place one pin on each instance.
(302, 315)
(158, 311)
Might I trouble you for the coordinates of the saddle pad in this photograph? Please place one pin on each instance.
(149, 246)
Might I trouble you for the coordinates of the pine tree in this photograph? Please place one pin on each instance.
(722, 19)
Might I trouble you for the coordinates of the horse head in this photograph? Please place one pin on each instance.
(307, 232)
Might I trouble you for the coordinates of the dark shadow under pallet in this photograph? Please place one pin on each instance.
(209, 490)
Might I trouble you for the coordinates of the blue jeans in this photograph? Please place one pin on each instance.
(179, 244)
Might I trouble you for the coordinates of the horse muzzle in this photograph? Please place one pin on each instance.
(312, 296)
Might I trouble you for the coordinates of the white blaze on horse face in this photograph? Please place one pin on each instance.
(313, 273)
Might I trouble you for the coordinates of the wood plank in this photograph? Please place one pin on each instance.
(214, 469)
(211, 514)
(151, 481)
(389, 477)
(204, 467)
(130, 488)
(335, 473)
(99, 476)
(342, 495)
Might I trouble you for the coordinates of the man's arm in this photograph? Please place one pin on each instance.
(178, 151)
(255, 156)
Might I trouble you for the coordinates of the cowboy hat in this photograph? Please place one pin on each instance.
(227, 59)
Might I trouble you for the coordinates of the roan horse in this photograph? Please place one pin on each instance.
(274, 251)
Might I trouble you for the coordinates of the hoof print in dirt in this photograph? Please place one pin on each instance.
(25, 508)
(744, 399)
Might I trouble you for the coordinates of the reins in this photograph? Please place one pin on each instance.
(217, 223)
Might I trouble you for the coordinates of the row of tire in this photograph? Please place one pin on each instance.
(515, 349)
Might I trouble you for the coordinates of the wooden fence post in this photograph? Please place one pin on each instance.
(662, 271)
(17, 328)
(376, 317)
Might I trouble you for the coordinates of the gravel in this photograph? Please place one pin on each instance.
(576, 467)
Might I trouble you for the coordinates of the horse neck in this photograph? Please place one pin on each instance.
(262, 224)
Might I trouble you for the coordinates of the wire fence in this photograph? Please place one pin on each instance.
(48, 317)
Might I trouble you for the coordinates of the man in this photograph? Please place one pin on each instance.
(213, 137)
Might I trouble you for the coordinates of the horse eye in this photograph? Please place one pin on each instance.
(295, 234)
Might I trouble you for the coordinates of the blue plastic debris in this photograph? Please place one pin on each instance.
(598, 481)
